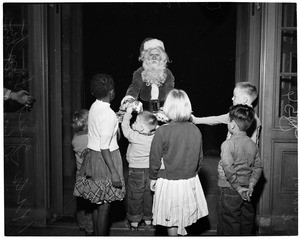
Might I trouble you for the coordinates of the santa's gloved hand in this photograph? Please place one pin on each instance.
(136, 106)
(129, 101)
(125, 101)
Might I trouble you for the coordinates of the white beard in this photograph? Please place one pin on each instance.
(154, 72)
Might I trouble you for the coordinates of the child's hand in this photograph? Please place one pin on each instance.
(129, 109)
(116, 181)
(161, 117)
(250, 192)
(192, 119)
(244, 193)
(152, 185)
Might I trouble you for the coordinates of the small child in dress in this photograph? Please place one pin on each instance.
(140, 197)
(179, 200)
(244, 93)
(79, 143)
(101, 176)
(241, 169)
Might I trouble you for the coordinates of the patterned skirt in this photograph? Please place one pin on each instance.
(94, 179)
(178, 203)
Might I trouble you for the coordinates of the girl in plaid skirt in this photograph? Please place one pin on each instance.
(101, 175)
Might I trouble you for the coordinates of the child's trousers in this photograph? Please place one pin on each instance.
(140, 197)
(235, 216)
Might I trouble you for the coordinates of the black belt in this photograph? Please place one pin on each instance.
(152, 105)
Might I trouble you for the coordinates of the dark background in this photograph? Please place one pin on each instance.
(198, 37)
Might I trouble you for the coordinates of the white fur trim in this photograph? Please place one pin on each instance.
(153, 43)
(154, 92)
(126, 98)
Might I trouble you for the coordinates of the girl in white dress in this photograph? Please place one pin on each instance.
(179, 200)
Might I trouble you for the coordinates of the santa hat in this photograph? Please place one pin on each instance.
(150, 43)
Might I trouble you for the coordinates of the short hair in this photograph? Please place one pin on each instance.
(80, 120)
(148, 119)
(101, 85)
(177, 106)
(243, 115)
(248, 88)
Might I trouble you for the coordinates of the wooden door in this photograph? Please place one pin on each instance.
(43, 55)
(26, 151)
(278, 104)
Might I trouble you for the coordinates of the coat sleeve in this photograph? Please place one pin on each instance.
(257, 169)
(128, 132)
(170, 82)
(136, 84)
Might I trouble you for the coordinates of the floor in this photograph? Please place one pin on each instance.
(67, 226)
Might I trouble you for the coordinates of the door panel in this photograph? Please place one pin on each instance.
(285, 178)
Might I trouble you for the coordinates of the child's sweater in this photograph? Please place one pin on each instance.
(240, 163)
(139, 145)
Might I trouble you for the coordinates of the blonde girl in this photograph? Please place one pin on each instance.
(178, 199)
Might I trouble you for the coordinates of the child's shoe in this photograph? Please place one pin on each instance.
(148, 225)
(133, 226)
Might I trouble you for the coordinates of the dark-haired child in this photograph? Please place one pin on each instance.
(140, 197)
(101, 176)
(240, 169)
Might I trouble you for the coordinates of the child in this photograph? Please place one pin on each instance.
(101, 176)
(178, 199)
(79, 143)
(242, 168)
(140, 197)
(243, 93)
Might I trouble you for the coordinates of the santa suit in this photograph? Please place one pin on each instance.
(144, 93)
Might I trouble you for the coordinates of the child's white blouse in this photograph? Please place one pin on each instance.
(103, 126)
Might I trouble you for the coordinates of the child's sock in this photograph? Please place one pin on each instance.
(134, 224)
(148, 222)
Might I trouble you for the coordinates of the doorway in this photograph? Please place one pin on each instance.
(200, 39)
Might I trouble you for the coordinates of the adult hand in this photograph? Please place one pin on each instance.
(126, 101)
(20, 96)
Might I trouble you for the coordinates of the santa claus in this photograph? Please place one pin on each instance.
(153, 81)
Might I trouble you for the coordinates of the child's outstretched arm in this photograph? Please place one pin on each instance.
(211, 120)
